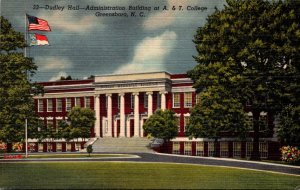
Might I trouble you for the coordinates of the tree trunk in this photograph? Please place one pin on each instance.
(255, 153)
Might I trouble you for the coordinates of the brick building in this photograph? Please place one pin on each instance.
(123, 102)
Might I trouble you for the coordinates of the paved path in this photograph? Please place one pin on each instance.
(169, 158)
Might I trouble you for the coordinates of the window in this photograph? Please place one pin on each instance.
(198, 98)
(158, 101)
(250, 119)
(78, 146)
(87, 102)
(176, 100)
(263, 150)
(176, 148)
(58, 104)
(187, 148)
(145, 100)
(237, 149)
(188, 100)
(132, 101)
(58, 147)
(69, 147)
(68, 104)
(41, 147)
(186, 121)
(77, 101)
(249, 149)
(224, 149)
(119, 101)
(40, 105)
(211, 149)
(263, 122)
(199, 149)
(49, 105)
(49, 147)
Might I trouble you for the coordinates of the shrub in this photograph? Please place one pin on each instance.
(89, 149)
(290, 154)
(3, 147)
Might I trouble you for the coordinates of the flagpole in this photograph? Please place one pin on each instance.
(25, 55)
(25, 49)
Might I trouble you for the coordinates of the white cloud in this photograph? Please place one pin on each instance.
(164, 18)
(158, 20)
(149, 55)
(68, 22)
(58, 76)
(53, 63)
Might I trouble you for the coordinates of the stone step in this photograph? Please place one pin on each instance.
(109, 144)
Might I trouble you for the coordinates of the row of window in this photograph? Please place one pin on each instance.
(50, 147)
(59, 106)
(188, 100)
(224, 149)
(132, 101)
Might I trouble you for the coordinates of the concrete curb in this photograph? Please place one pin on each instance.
(229, 160)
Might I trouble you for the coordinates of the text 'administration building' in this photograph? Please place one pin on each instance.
(122, 103)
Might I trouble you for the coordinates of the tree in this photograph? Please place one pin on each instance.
(261, 39)
(289, 125)
(162, 124)
(81, 121)
(89, 149)
(16, 101)
(217, 115)
(66, 78)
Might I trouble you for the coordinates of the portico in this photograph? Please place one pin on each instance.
(124, 102)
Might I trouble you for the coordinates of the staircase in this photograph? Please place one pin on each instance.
(122, 145)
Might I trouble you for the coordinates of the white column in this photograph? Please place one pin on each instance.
(136, 114)
(163, 100)
(109, 115)
(97, 113)
(150, 103)
(142, 130)
(128, 127)
(122, 115)
(115, 126)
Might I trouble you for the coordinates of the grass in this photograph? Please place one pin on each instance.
(120, 175)
(74, 156)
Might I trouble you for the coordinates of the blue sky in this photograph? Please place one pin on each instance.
(82, 44)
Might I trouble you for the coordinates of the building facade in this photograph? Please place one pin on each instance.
(122, 103)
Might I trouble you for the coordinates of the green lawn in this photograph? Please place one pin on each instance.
(103, 175)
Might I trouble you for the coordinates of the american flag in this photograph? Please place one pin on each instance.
(35, 23)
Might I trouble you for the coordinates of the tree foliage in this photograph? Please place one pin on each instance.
(289, 125)
(81, 121)
(162, 124)
(217, 115)
(16, 102)
(251, 48)
(66, 78)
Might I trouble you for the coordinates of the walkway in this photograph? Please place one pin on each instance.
(169, 158)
